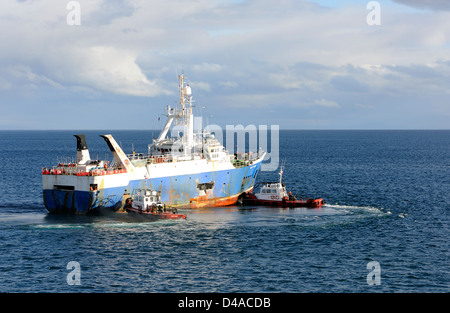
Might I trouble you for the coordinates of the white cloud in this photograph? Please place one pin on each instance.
(365, 106)
(24, 73)
(253, 53)
(198, 85)
(429, 4)
(113, 70)
(255, 101)
(326, 103)
(229, 84)
(208, 67)
(41, 41)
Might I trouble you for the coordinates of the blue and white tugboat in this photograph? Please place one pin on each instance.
(192, 170)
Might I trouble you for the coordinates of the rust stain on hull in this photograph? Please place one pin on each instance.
(205, 202)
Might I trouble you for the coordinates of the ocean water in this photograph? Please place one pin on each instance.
(387, 196)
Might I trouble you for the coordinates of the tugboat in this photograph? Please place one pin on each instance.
(148, 203)
(274, 194)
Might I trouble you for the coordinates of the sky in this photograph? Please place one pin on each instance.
(324, 64)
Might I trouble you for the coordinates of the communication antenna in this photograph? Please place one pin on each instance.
(281, 169)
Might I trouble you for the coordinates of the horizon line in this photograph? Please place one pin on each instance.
(290, 129)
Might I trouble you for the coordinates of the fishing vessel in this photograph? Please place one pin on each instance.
(147, 203)
(190, 170)
(275, 194)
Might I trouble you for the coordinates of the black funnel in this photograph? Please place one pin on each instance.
(81, 142)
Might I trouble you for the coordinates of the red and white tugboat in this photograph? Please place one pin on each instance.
(148, 203)
(274, 194)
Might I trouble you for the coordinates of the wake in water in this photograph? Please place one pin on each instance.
(357, 209)
(329, 214)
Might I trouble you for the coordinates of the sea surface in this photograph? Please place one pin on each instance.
(385, 227)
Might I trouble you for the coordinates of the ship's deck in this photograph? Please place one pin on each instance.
(140, 159)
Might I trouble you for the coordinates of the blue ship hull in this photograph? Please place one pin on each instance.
(219, 188)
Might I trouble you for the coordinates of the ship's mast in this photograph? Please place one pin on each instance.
(185, 118)
(281, 170)
(186, 112)
(281, 173)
